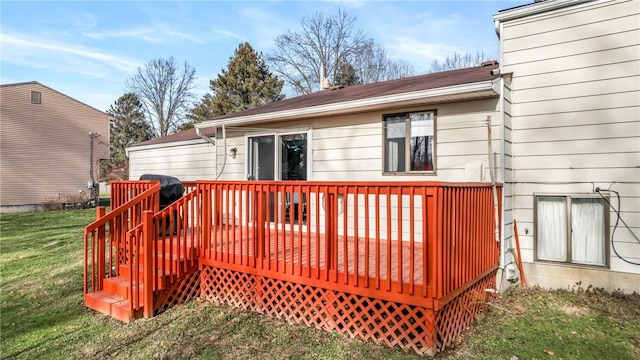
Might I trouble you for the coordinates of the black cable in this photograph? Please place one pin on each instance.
(613, 246)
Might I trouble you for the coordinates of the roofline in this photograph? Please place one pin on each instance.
(197, 141)
(52, 89)
(535, 8)
(356, 105)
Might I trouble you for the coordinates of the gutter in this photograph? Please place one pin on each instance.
(532, 9)
(491, 87)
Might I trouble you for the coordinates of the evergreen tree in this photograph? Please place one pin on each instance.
(246, 83)
(128, 127)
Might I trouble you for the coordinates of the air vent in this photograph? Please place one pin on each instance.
(36, 97)
(489, 63)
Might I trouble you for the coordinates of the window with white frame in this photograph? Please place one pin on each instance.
(572, 229)
(409, 142)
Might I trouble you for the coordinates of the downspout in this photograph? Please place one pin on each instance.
(224, 141)
(493, 182)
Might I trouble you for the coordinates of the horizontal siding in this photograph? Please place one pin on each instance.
(588, 60)
(576, 132)
(349, 147)
(527, 107)
(46, 147)
(579, 118)
(610, 41)
(576, 112)
(568, 20)
(187, 162)
(612, 23)
(580, 89)
(579, 76)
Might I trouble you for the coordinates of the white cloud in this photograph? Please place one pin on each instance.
(150, 34)
(231, 34)
(27, 51)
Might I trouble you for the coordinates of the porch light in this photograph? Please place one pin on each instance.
(233, 152)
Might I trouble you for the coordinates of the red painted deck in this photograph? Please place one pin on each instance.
(304, 254)
(417, 292)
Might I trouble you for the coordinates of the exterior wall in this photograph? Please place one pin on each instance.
(46, 147)
(193, 160)
(576, 125)
(349, 147)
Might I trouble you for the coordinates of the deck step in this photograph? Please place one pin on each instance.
(119, 285)
(110, 304)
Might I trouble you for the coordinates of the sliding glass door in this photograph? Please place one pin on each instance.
(280, 157)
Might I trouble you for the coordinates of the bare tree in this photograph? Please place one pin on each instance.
(323, 48)
(164, 88)
(372, 64)
(459, 61)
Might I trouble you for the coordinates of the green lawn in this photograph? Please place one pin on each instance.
(42, 316)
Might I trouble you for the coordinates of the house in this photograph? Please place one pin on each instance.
(565, 121)
(183, 155)
(386, 211)
(572, 124)
(328, 231)
(51, 145)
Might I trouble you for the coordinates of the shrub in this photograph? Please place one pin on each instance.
(66, 202)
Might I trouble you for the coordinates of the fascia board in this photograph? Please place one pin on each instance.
(165, 145)
(355, 105)
(536, 8)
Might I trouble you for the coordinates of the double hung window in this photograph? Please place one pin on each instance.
(409, 142)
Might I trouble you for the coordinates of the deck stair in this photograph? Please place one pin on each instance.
(114, 298)
(141, 271)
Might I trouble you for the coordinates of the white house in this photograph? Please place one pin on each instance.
(183, 155)
(557, 120)
(573, 140)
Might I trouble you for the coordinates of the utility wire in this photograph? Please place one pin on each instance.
(613, 246)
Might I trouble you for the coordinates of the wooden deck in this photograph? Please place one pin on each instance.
(304, 253)
(417, 291)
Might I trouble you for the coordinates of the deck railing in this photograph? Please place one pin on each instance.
(411, 242)
(105, 238)
(163, 247)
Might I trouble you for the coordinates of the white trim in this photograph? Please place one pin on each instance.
(166, 145)
(536, 8)
(275, 134)
(359, 105)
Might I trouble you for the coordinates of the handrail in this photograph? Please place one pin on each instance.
(149, 241)
(121, 209)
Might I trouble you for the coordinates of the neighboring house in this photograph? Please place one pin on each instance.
(184, 155)
(573, 126)
(46, 145)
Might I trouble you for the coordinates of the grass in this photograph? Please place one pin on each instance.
(42, 315)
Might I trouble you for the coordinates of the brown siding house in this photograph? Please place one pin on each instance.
(45, 145)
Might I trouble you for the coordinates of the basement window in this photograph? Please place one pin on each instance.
(36, 97)
(572, 229)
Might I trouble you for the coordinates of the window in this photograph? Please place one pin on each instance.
(36, 97)
(281, 157)
(408, 142)
(572, 229)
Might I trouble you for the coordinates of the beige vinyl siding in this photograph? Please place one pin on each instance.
(576, 113)
(349, 147)
(187, 162)
(45, 147)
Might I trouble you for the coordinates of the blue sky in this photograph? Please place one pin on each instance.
(87, 49)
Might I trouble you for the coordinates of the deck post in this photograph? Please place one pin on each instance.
(100, 212)
(206, 221)
(147, 277)
(260, 227)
